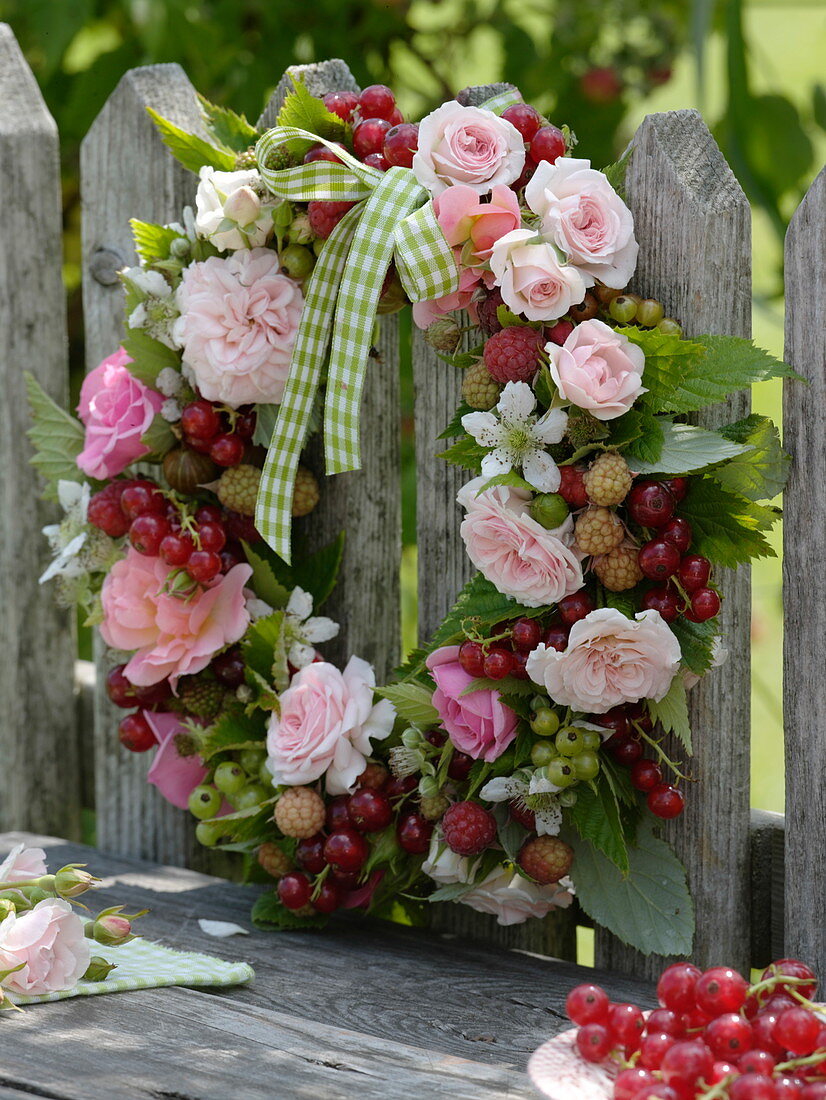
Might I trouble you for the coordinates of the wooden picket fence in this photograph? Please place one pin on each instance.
(693, 223)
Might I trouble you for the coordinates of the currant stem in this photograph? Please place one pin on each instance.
(655, 745)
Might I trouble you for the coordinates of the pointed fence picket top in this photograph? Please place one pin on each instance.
(693, 224)
(40, 777)
(804, 582)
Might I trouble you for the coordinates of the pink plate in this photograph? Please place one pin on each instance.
(559, 1073)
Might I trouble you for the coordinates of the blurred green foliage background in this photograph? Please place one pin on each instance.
(753, 67)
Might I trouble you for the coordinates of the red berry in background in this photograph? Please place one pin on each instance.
(519, 663)
(370, 811)
(678, 487)
(678, 532)
(325, 216)
(626, 1024)
(521, 813)
(377, 160)
(468, 828)
(397, 118)
(721, 1070)
(377, 101)
(527, 634)
(794, 968)
(414, 832)
(229, 667)
(764, 1040)
(341, 103)
(559, 333)
(572, 486)
(242, 528)
(637, 714)
(814, 1090)
(346, 849)
(209, 513)
(665, 801)
(625, 750)
(338, 813)
(728, 1036)
(705, 604)
(369, 135)
(601, 85)
(751, 1086)
(694, 572)
(400, 144)
(472, 658)
(650, 503)
(152, 695)
(615, 719)
(294, 890)
(141, 498)
(629, 1083)
(556, 636)
(345, 880)
(665, 1020)
(328, 898)
(548, 143)
(525, 118)
(498, 663)
(231, 555)
(435, 737)
(227, 450)
(119, 689)
(686, 1061)
(658, 559)
(459, 766)
(662, 599)
(309, 854)
(200, 419)
(675, 988)
(525, 177)
(398, 788)
(203, 566)
(176, 547)
(587, 1004)
(245, 423)
(645, 775)
(212, 536)
(797, 1030)
(575, 607)
(147, 532)
(321, 152)
(654, 1046)
(719, 990)
(135, 733)
(594, 1042)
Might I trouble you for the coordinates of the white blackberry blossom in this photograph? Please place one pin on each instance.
(304, 629)
(156, 311)
(526, 784)
(68, 538)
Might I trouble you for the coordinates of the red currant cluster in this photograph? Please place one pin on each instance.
(505, 653)
(713, 1038)
(215, 431)
(542, 140)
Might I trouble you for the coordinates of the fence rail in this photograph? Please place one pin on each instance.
(693, 225)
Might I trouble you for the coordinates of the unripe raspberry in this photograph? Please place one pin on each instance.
(306, 493)
(300, 813)
(200, 696)
(433, 808)
(246, 160)
(238, 488)
(608, 480)
(598, 531)
(546, 859)
(619, 569)
(512, 355)
(374, 777)
(479, 390)
(443, 335)
(273, 860)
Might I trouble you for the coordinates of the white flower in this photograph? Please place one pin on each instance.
(169, 382)
(524, 783)
(519, 438)
(257, 609)
(512, 898)
(171, 410)
(68, 538)
(231, 212)
(304, 629)
(156, 311)
(445, 866)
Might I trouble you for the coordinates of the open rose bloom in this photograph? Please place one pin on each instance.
(49, 941)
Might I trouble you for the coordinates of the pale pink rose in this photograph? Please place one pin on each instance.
(175, 776)
(465, 219)
(326, 724)
(512, 899)
(116, 409)
(533, 281)
(425, 313)
(49, 941)
(479, 723)
(23, 863)
(609, 660)
(238, 324)
(582, 214)
(467, 145)
(598, 369)
(523, 560)
(173, 636)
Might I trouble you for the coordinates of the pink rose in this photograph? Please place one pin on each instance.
(479, 723)
(238, 324)
(534, 566)
(465, 219)
(598, 369)
(173, 636)
(49, 941)
(175, 776)
(425, 313)
(23, 863)
(531, 278)
(582, 213)
(116, 410)
(326, 724)
(467, 145)
(609, 660)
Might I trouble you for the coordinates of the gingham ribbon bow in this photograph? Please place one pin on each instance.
(393, 218)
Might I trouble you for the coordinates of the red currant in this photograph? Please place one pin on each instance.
(797, 1030)
(694, 572)
(147, 532)
(212, 536)
(685, 1062)
(559, 333)
(575, 607)
(629, 1082)
(379, 161)
(400, 144)
(141, 498)
(763, 1028)
(751, 1086)
(601, 85)
(498, 663)
(587, 1004)
(472, 658)
(245, 423)
(294, 890)
(105, 512)
(135, 733)
(659, 1092)
(369, 135)
(209, 513)
(662, 599)
(341, 103)
(626, 1024)
(227, 450)
(525, 118)
(794, 968)
(152, 695)
(615, 719)
(675, 988)
(556, 636)
(548, 143)
(346, 849)
(200, 420)
(650, 503)
(229, 667)
(203, 566)
(658, 559)
(639, 716)
(665, 801)
(321, 152)
(527, 634)
(459, 766)
(728, 1035)
(653, 1048)
(377, 101)
(328, 898)
(678, 487)
(400, 788)
(594, 1042)
(370, 811)
(309, 854)
(719, 990)
(119, 689)
(664, 1019)
(414, 832)
(645, 775)
(625, 750)
(705, 604)
(175, 548)
(678, 532)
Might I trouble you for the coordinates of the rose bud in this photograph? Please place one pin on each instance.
(72, 881)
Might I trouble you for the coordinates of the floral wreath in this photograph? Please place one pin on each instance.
(520, 756)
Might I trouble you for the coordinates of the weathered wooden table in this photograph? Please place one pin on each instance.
(369, 1010)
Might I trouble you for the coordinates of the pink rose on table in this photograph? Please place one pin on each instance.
(609, 660)
(326, 724)
(534, 566)
(465, 219)
(598, 369)
(467, 145)
(173, 637)
(532, 279)
(49, 941)
(23, 863)
(479, 724)
(582, 214)
(238, 324)
(116, 409)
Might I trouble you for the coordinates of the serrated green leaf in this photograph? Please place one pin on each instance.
(672, 713)
(233, 730)
(596, 817)
(265, 418)
(650, 908)
(317, 573)
(648, 446)
(615, 173)
(265, 651)
(455, 428)
(150, 356)
(268, 913)
(413, 703)
(57, 439)
(544, 387)
(625, 429)
(190, 150)
(264, 582)
(511, 479)
(727, 528)
(622, 602)
(686, 449)
(152, 241)
(696, 643)
(303, 111)
(229, 130)
(762, 472)
(508, 685)
(159, 437)
(466, 453)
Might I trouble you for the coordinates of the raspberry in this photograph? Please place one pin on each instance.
(512, 355)
(545, 858)
(468, 828)
(486, 312)
(443, 335)
(619, 569)
(374, 777)
(238, 488)
(273, 860)
(598, 531)
(241, 527)
(300, 813)
(245, 161)
(434, 807)
(306, 492)
(572, 486)
(479, 390)
(608, 480)
(200, 696)
(325, 216)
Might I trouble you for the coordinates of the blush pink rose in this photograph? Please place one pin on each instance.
(173, 636)
(425, 313)
(116, 409)
(582, 214)
(512, 898)
(466, 220)
(238, 324)
(326, 724)
(532, 279)
(49, 941)
(467, 145)
(23, 863)
(522, 559)
(609, 660)
(479, 723)
(598, 369)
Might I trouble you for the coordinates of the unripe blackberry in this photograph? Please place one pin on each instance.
(479, 390)
(619, 569)
(546, 859)
(433, 808)
(306, 494)
(201, 697)
(273, 860)
(608, 480)
(246, 160)
(300, 813)
(598, 531)
(238, 488)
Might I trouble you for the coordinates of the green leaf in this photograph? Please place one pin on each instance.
(159, 437)
(508, 685)
(230, 130)
(452, 892)
(687, 449)
(544, 387)
(413, 703)
(596, 817)
(233, 730)
(615, 173)
(317, 573)
(696, 643)
(56, 436)
(648, 446)
(626, 429)
(152, 241)
(761, 473)
(268, 913)
(303, 111)
(189, 149)
(265, 418)
(511, 479)
(727, 528)
(455, 428)
(672, 712)
(650, 908)
(467, 453)
(622, 602)
(264, 649)
(150, 356)
(264, 582)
